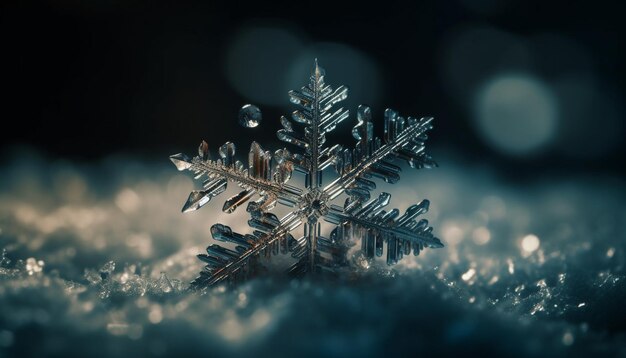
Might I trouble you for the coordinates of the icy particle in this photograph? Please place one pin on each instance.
(4, 260)
(511, 266)
(92, 276)
(468, 275)
(542, 283)
(537, 308)
(361, 261)
(107, 269)
(74, 287)
(163, 284)
(250, 116)
(582, 304)
(33, 266)
(493, 280)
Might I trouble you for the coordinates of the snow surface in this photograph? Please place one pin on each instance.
(98, 258)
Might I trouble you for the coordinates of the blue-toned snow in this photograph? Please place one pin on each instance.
(98, 259)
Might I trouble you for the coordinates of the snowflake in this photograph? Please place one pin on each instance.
(358, 219)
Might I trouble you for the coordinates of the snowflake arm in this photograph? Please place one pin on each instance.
(255, 179)
(372, 158)
(315, 102)
(271, 237)
(315, 111)
(376, 226)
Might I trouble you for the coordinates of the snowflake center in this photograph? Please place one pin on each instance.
(314, 205)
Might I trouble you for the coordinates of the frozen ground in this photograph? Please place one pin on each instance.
(98, 257)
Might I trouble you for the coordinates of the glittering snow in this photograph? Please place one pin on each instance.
(97, 261)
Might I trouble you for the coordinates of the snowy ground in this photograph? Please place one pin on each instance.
(98, 258)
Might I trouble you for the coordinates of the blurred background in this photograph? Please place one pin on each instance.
(521, 85)
(529, 198)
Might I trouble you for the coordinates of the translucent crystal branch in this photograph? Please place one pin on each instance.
(375, 226)
(271, 237)
(403, 139)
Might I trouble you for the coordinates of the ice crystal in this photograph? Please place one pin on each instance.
(266, 178)
(250, 116)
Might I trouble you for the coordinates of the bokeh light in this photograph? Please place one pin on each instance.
(516, 114)
(264, 62)
(481, 235)
(472, 55)
(530, 243)
(531, 94)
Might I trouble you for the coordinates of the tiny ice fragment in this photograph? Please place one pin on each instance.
(164, 284)
(107, 269)
(250, 116)
(468, 275)
(511, 266)
(92, 276)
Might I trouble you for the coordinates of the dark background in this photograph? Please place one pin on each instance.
(86, 79)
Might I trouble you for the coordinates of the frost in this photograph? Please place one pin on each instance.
(59, 312)
(131, 281)
(267, 179)
(4, 263)
(107, 268)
